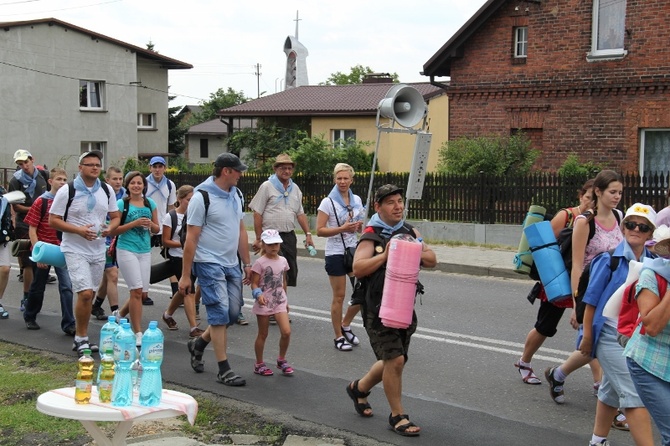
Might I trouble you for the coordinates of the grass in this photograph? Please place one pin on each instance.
(25, 374)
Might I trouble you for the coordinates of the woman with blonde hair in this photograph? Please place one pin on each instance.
(340, 217)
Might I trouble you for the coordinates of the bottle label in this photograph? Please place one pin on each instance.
(107, 344)
(83, 386)
(153, 352)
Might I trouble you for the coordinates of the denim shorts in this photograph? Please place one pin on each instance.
(220, 291)
(335, 265)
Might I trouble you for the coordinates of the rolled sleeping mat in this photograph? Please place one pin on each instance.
(548, 260)
(523, 259)
(49, 254)
(20, 246)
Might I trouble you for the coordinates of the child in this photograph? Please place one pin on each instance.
(37, 219)
(268, 284)
(109, 284)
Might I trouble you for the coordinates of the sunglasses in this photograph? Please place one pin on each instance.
(644, 228)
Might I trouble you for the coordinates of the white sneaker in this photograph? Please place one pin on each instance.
(116, 314)
(602, 443)
(138, 339)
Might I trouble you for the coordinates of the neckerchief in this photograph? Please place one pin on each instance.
(47, 196)
(284, 192)
(213, 189)
(157, 185)
(121, 193)
(387, 230)
(81, 187)
(353, 206)
(28, 182)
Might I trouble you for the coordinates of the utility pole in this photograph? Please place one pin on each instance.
(258, 80)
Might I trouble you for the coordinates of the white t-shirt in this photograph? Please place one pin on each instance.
(334, 243)
(163, 197)
(167, 221)
(79, 215)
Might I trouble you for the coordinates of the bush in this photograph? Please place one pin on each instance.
(572, 167)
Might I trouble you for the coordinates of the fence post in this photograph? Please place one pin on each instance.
(481, 211)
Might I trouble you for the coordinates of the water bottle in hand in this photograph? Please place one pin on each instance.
(311, 249)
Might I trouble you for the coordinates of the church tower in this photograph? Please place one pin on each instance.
(296, 60)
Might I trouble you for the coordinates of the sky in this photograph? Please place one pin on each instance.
(225, 40)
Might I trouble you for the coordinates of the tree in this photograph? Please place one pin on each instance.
(315, 155)
(354, 77)
(217, 101)
(264, 144)
(176, 130)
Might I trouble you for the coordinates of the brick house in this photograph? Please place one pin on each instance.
(590, 77)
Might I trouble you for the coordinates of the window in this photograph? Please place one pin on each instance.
(87, 146)
(521, 41)
(146, 120)
(91, 95)
(204, 148)
(343, 135)
(608, 30)
(655, 151)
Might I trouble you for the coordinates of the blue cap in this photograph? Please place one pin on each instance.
(157, 160)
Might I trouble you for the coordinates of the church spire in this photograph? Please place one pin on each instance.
(296, 60)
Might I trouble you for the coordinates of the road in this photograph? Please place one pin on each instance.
(459, 385)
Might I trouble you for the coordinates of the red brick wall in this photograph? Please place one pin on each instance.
(594, 109)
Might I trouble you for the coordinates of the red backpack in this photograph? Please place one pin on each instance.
(629, 316)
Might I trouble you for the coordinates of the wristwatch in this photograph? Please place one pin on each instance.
(246, 265)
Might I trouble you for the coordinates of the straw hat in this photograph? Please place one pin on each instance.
(283, 159)
(662, 239)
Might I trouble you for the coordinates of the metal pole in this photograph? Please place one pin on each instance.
(372, 176)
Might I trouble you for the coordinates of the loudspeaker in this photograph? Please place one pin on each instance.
(404, 104)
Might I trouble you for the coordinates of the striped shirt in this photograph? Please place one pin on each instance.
(45, 233)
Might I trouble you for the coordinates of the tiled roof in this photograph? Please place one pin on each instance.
(216, 127)
(324, 100)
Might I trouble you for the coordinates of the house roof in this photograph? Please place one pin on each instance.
(440, 64)
(323, 100)
(166, 62)
(194, 109)
(216, 127)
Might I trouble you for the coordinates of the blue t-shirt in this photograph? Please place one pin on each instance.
(137, 240)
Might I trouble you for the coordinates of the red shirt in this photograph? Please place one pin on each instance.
(45, 233)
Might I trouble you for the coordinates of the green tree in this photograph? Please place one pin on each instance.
(355, 76)
(264, 144)
(176, 130)
(497, 155)
(218, 100)
(572, 167)
(315, 155)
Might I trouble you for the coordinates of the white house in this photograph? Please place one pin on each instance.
(65, 90)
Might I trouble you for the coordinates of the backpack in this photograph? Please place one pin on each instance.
(111, 251)
(70, 198)
(584, 283)
(629, 316)
(6, 225)
(184, 226)
(173, 227)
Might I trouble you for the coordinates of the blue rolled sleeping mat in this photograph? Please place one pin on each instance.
(523, 259)
(548, 260)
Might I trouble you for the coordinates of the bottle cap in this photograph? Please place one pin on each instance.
(153, 324)
(87, 351)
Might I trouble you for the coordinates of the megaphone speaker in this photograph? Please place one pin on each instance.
(403, 104)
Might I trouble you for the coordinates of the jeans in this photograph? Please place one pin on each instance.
(655, 394)
(36, 295)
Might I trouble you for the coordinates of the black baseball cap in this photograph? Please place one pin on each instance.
(385, 191)
(230, 160)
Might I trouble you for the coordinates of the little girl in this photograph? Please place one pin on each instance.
(268, 285)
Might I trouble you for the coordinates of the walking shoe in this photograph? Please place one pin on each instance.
(230, 378)
(70, 331)
(197, 331)
(197, 364)
(3, 313)
(286, 369)
(99, 313)
(602, 443)
(350, 336)
(117, 315)
(51, 278)
(32, 325)
(147, 301)
(170, 322)
(22, 307)
(262, 369)
(80, 346)
(241, 320)
(555, 387)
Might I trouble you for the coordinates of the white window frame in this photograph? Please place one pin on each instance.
(605, 54)
(643, 134)
(521, 42)
(87, 146)
(339, 136)
(146, 121)
(92, 87)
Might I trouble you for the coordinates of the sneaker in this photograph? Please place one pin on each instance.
(51, 278)
(555, 387)
(197, 331)
(70, 331)
(147, 301)
(138, 339)
(3, 313)
(262, 369)
(80, 346)
(286, 369)
(99, 313)
(602, 443)
(170, 322)
(32, 325)
(197, 363)
(350, 336)
(241, 320)
(22, 307)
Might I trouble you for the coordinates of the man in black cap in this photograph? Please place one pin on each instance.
(389, 344)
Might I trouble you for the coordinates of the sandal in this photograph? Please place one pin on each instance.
(286, 369)
(342, 345)
(620, 422)
(3, 312)
(350, 336)
(230, 379)
(355, 395)
(262, 369)
(530, 378)
(402, 428)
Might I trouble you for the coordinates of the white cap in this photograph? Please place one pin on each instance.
(270, 236)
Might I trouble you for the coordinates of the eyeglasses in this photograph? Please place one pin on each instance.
(285, 168)
(97, 166)
(630, 225)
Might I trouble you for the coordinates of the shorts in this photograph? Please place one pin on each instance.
(4, 255)
(85, 271)
(135, 268)
(220, 292)
(22, 233)
(389, 343)
(548, 317)
(335, 265)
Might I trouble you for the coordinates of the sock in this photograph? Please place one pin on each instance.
(223, 366)
(524, 373)
(597, 440)
(201, 345)
(175, 287)
(98, 302)
(346, 328)
(113, 308)
(559, 375)
(80, 338)
(166, 314)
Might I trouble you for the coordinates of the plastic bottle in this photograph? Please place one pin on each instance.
(106, 378)
(106, 344)
(84, 381)
(311, 249)
(151, 357)
(124, 355)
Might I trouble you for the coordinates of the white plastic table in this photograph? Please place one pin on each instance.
(60, 403)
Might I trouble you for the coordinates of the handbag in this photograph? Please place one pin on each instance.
(348, 251)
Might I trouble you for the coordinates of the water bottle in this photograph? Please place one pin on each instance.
(106, 344)
(124, 355)
(311, 249)
(151, 387)
(106, 377)
(84, 382)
